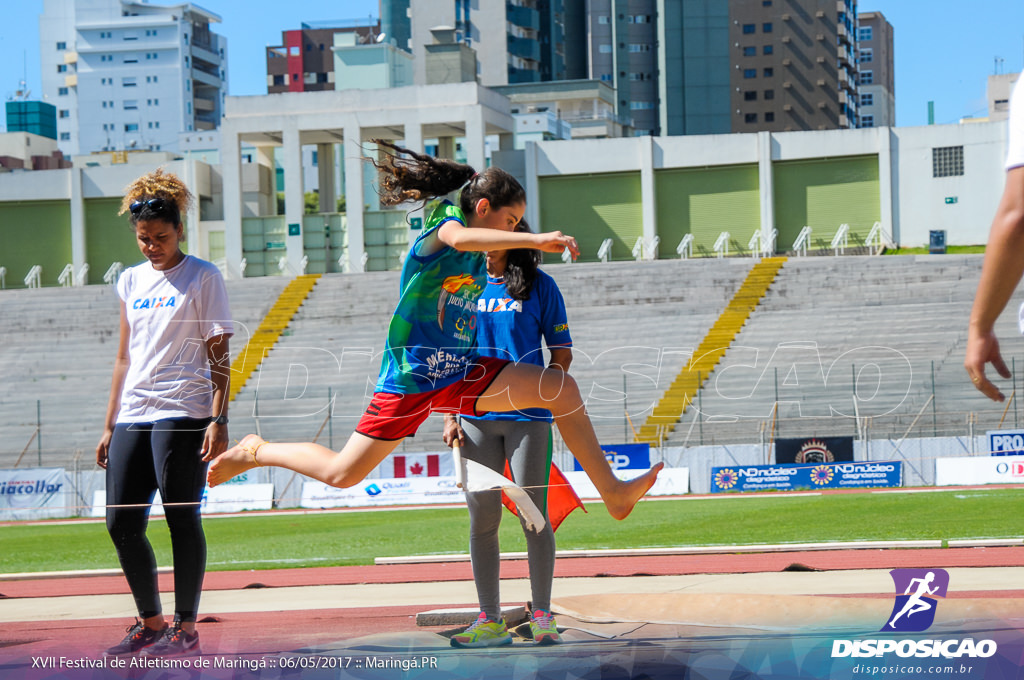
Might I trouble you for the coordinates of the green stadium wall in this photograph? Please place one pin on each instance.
(705, 202)
(31, 233)
(592, 208)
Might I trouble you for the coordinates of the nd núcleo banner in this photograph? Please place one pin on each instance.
(803, 477)
(806, 450)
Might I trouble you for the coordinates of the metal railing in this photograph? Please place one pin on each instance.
(112, 273)
(878, 240)
(841, 240)
(722, 245)
(685, 248)
(67, 276)
(34, 278)
(802, 240)
(605, 251)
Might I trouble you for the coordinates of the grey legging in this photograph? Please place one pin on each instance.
(527, 447)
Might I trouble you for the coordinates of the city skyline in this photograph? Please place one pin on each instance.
(942, 54)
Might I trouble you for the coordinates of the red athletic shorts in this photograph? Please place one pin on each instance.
(396, 416)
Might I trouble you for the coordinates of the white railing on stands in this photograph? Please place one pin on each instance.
(566, 256)
(34, 278)
(303, 263)
(754, 244)
(82, 277)
(722, 244)
(3, 278)
(364, 259)
(841, 239)
(652, 248)
(343, 263)
(282, 263)
(113, 272)
(800, 244)
(768, 248)
(242, 265)
(402, 255)
(605, 251)
(67, 276)
(638, 248)
(685, 248)
(878, 238)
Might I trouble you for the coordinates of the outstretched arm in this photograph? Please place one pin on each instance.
(1000, 273)
(475, 239)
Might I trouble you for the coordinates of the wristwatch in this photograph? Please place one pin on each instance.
(221, 420)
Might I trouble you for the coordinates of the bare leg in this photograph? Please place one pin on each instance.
(341, 469)
(521, 386)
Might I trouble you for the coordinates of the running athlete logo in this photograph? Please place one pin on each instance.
(914, 609)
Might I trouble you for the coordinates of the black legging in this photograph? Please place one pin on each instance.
(143, 458)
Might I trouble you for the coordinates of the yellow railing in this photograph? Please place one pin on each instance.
(267, 333)
(680, 394)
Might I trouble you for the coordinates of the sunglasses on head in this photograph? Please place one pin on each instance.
(157, 205)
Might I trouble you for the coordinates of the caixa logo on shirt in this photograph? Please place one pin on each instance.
(155, 302)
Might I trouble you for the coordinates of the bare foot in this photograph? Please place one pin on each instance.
(620, 503)
(236, 460)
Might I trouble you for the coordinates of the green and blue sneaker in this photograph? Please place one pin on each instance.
(483, 633)
(543, 628)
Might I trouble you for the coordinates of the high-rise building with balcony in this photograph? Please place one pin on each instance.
(130, 75)
(516, 41)
(304, 61)
(876, 71)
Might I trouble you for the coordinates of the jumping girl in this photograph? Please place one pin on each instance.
(430, 361)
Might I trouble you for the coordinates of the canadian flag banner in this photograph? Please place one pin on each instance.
(417, 465)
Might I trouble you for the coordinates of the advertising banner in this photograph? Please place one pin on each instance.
(224, 498)
(803, 477)
(32, 493)
(1006, 442)
(374, 492)
(624, 457)
(806, 450)
(972, 470)
(671, 482)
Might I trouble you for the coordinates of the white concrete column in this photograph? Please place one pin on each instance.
(533, 189)
(766, 185)
(648, 204)
(294, 198)
(325, 172)
(78, 225)
(887, 161)
(476, 151)
(354, 195)
(193, 237)
(414, 142)
(446, 148)
(231, 168)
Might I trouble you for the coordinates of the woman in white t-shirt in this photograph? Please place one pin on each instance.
(1004, 261)
(167, 414)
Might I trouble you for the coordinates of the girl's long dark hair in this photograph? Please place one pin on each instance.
(521, 268)
(421, 177)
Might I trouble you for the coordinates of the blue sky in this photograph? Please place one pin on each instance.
(945, 49)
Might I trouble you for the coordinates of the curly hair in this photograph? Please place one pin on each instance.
(157, 184)
(421, 178)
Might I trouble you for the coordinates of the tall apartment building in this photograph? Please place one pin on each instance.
(686, 67)
(305, 62)
(793, 65)
(623, 50)
(876, 71)
(516, 41)
(130, 75)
